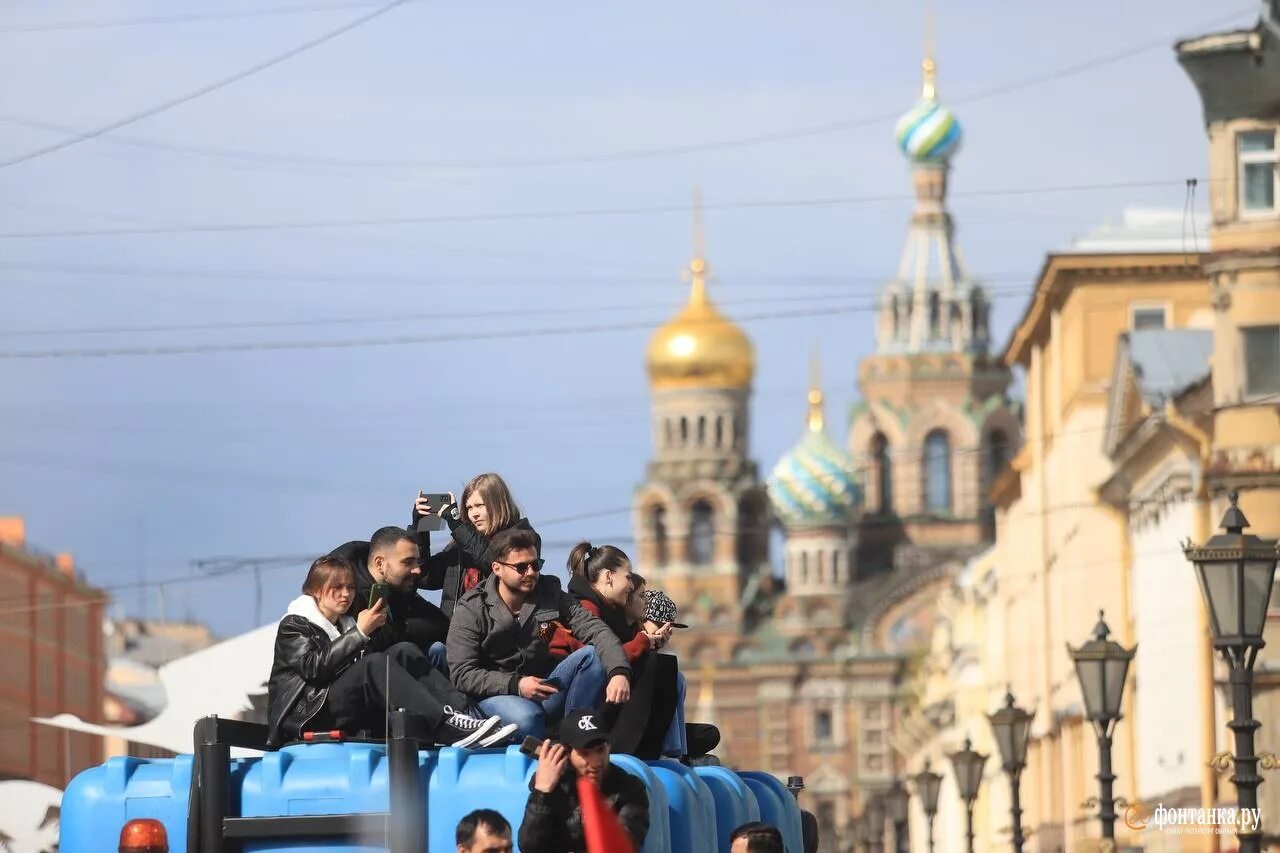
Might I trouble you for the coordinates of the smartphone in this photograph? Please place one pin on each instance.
(530, 745)
(378, 592)
(434, 521)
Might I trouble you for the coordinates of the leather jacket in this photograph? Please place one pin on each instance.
(306, 662)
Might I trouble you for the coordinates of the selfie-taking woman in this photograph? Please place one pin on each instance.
(486, 508)
(322, 679)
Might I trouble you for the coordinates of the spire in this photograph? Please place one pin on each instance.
(816, 420)
(928, 90)
(698, 268)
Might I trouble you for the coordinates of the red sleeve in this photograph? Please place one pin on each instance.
(590, 606)
(636, 647)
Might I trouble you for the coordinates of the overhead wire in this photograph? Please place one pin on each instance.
(654, 152)
(197, 17)
(200, 92)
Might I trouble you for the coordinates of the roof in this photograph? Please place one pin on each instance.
(1168, 361)
(1146, 229)
(1236, 72)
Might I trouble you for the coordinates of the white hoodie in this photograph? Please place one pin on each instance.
(306, 607)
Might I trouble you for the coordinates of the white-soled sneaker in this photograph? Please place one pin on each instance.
(462, 730)
(502, 734)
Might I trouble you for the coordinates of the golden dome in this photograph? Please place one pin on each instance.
(700, 347)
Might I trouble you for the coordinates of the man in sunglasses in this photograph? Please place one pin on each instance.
(497, 648)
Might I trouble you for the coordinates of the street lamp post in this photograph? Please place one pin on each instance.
(928, 784)
(967, 765)
(1236, 571)
(1102, 665)
(896, 801)
(875, 825)
(1012, 728)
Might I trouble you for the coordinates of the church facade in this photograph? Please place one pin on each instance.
(803, 668)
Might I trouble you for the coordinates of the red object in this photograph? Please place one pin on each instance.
(144, 835)
(600, 826)
(333, 734)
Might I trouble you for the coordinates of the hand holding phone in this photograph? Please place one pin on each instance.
(377, 592)
(427, 509)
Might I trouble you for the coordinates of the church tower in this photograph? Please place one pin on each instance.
(935, 423)
(701, 517)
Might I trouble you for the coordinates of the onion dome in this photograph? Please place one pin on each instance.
(929, 132)
(814, 484)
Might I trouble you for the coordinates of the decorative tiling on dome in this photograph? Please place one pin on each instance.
(929, 132)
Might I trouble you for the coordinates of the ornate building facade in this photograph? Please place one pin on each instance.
(802, 668)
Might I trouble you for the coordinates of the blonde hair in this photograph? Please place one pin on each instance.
(491, 488)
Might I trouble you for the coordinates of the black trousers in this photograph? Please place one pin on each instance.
(640, 725)
(400, 677)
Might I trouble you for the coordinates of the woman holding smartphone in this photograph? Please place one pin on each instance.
(323, 678)
(487, 508)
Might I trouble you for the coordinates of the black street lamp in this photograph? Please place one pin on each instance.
(1236, 571)
(1101, 666)
(896, 801)
(967, 765)
(1012, 728)
(875, 825)
(928, 784)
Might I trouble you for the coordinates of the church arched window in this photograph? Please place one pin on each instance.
(701, 533)
(804, 567)
(937, 472)
(666, 431)
(719, 431)
(997, 453)
(658, 526)
(884, 472)
(684, 431)
(935, 314)
(702, 430)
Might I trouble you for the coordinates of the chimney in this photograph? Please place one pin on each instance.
(66, 564)
(13, 531)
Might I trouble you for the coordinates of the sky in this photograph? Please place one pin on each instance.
(509, 182)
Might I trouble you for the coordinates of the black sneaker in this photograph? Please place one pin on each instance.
(458, 729)
(701, 738)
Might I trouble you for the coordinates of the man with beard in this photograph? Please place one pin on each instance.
(553, 815)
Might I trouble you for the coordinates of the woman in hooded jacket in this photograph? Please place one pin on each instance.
(323, 678)
(487, 508)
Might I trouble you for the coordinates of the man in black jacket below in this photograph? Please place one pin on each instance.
(553, 816)
(392, 556)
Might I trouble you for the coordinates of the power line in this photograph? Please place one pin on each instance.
(581, 213)
(828, 128)
(200, 92)
(398, 340)
(151, 20)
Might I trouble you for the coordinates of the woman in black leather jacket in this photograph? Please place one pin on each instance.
(323, 679)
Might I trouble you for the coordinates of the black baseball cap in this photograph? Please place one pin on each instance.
(583, 728)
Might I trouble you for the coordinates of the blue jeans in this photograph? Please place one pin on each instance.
(676, 744)
(581, 678)
(435, 654)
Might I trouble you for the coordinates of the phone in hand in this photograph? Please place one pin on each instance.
(530, 746)
(378, 592)
(433, 521)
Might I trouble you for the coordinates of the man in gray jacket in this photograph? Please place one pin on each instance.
(497, 646)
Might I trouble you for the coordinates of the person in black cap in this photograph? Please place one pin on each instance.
(553, 816)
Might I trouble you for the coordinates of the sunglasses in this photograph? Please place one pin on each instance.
(532, 565)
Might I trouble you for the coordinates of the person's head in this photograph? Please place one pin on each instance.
(488, 505)
(756, 837)
(515, 560)
(483, 831)
(587, 737)
(394, 558)
(606, 568)
(636, 600)
(332, 583)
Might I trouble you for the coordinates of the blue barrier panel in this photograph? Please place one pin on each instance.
(691, 808)
(659, 838)
(466, 780)
(102, 799)
(735, 804)
(777, 807)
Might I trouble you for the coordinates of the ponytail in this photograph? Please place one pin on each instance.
(588, 561)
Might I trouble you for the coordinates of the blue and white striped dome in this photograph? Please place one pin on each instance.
(814, 483)
(929, 132)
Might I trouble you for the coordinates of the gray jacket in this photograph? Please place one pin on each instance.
(490, 649)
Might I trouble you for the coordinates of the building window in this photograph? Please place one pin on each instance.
(835, 567)
(719, 431)
(1256, 151)
(1261, 360)
(702, 430)
(1148, 317)
(823, 730)
(804, 567)
(884, 472)
(937, 472)
(658, 519)
(701, 534)
(997, 453)
(684, 431)
(666, 432)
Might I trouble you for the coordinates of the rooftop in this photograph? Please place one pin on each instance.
(1169, 361)
(1146, 229)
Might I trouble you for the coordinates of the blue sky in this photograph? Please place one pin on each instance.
(140, 465)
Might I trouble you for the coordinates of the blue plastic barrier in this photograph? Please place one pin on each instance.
(777, 807)
(734, 802)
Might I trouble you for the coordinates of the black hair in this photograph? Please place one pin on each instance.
(761, 837)
(387, 537)
(589, 561)
(466, 832)
(512, 539)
